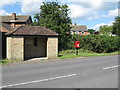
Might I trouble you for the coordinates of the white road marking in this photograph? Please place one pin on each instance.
(110, 67)
(42, 80)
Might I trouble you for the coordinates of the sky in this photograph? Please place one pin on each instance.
(92, 13)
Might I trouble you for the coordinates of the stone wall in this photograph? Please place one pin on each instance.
(52, 47)
(22, 48)
(15, 48)
(17, 25)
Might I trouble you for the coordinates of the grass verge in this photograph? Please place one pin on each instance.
(7, 61)
(4, 61)
(82, 53)
(68, 54)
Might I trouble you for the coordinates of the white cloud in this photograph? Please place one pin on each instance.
(96, 3)
(31, 7)
(27, 6)
(77, 11)
(98, 26)
(89, 9)
(82, 12)
(3, 12)
(112, 13)
(93, 9)
(102, 24)
(89, 0)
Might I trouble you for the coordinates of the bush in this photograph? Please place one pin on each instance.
(96, 43)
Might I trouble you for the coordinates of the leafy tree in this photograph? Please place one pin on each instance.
(35, 23)
(55, 17)
(116, 26)
(105, 30)
(91, 31)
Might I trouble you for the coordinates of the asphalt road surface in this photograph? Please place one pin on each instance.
(90, 72)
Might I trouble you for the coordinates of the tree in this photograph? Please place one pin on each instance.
(116, 26)
(91, 31)
(105, 30)
(55, 17)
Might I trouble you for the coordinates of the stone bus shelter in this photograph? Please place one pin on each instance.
(26, 42)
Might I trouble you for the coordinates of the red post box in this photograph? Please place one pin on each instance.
(77, 44)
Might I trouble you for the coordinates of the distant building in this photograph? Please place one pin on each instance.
(79, 29)
(9, 22)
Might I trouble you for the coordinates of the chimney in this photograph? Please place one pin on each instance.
(13, 16)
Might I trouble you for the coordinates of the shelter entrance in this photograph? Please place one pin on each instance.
(35, 47)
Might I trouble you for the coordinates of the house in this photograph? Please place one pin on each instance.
(7, 24)
(25, 42)
(79, 29)
(15, 21)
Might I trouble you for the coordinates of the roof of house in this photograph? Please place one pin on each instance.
(6, 26)
(32, 30)
(19, 18)
(79, 28)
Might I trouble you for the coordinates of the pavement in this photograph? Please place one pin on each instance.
(87, 72)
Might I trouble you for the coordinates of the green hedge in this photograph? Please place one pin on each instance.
(96, 43)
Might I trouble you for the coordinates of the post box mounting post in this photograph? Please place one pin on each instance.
(76, 51)
(77, 46)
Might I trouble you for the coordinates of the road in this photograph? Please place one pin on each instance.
(88, 72)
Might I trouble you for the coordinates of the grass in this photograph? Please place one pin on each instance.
(4, 61)
(81, 53)
(68, 54)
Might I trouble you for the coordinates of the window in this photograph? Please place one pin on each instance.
(82, 32)
(71, 32)
(77, 32)
(35, 41)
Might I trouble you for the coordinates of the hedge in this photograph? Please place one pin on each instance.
(96, 43)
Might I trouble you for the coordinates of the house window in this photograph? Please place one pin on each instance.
(71, 32)
(35, 41)
(82, 32)
(77, 32)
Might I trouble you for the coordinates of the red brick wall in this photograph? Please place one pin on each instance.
(16, 25)
(86, 33)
